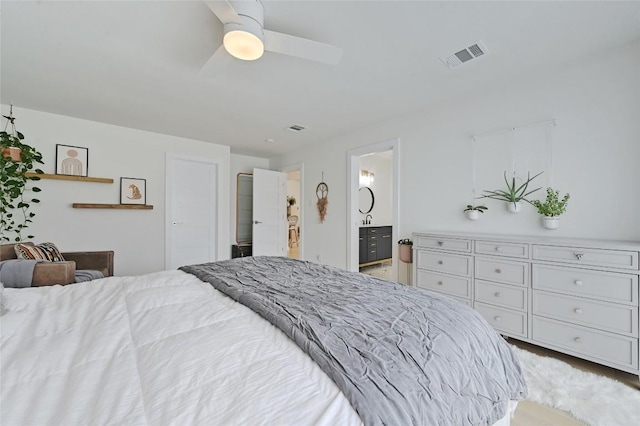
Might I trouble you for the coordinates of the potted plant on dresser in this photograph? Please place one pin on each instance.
(513, 196)
(551, 208)
(15, 215)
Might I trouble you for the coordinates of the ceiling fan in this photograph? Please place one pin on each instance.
(246, 38)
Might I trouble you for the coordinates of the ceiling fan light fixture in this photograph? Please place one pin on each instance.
(244, 41)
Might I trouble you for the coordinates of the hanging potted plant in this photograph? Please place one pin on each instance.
(15, 216)
(473, 212)
(513, 196)
(551, 208)
(405, 250)
(291, 201)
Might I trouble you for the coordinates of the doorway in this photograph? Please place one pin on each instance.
(295, 206)
(191, 210)
(381, 212)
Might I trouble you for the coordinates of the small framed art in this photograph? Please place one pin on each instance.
(72, 160)
(133, 191)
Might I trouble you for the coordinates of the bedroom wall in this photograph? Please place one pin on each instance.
(136, 236)
(596, 149)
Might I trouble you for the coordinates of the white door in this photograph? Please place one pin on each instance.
(191, 206)
(269, 213)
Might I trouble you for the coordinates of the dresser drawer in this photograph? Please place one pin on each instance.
(600, 345)
(604, 316)
(503, 320)
(441, 262)
(608, 286)
(502, 271)
(502, 249)
(452, 285)
(452, 244)
(587, 256)
(501, 295)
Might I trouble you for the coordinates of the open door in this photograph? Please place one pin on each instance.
(269, 213)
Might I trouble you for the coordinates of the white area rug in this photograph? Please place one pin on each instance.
(593, 399)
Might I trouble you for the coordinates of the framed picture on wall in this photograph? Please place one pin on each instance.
(72, 160)
(133, 191)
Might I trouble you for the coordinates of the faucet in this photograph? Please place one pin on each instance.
(367, 219)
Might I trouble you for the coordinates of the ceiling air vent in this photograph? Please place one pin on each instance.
(296, 128)
(465, 55)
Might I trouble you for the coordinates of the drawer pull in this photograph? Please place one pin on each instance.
(578, 340)
(499, 249)
(498, 319)
(497, 294)
(440, 283)
(579, 282)
(440, 262)
(498, 271)
(440, 243)
(578, 255)
(386, 236)
(578, 311)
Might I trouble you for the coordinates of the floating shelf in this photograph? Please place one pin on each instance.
(112, 206)
(67, 177)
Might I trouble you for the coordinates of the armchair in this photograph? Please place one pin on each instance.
(51, 273)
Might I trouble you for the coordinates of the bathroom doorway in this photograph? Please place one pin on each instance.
(294, 211)
(375, 205)
(373, 210)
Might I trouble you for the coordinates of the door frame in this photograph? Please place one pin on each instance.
(291, 168)
(168, 197)
(353, 184)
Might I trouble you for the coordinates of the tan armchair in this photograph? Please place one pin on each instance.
(51, 273)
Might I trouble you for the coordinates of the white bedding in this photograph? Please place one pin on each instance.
(159, 349)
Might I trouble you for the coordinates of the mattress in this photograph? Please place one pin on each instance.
(158, 349)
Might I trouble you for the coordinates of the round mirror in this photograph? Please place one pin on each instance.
(366, 200)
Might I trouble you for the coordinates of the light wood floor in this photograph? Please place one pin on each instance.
(531, 414)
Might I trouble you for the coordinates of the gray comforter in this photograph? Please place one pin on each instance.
(401, 355)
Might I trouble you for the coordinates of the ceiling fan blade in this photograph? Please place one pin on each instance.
(224, 11)
(301, 47)
(220, 59)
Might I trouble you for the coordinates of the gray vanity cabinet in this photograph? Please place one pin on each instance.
(375, 244)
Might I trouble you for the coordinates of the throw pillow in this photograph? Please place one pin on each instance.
(43, 251)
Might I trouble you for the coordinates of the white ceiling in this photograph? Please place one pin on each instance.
(136, 64)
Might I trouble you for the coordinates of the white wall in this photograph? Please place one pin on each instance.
(136, 236)
(595, 156)
(241, 164)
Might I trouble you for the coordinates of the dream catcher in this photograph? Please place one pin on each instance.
(322, 191)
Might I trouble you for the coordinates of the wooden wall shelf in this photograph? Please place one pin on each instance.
(112, 206)
(76, 178)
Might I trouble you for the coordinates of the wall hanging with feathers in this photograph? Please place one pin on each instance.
(322, 192)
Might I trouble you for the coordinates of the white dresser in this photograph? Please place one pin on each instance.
(571, 295)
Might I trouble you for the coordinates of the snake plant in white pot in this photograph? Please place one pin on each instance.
(513, 195)
(551, 208)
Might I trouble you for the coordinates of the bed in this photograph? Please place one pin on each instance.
(186, 347)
